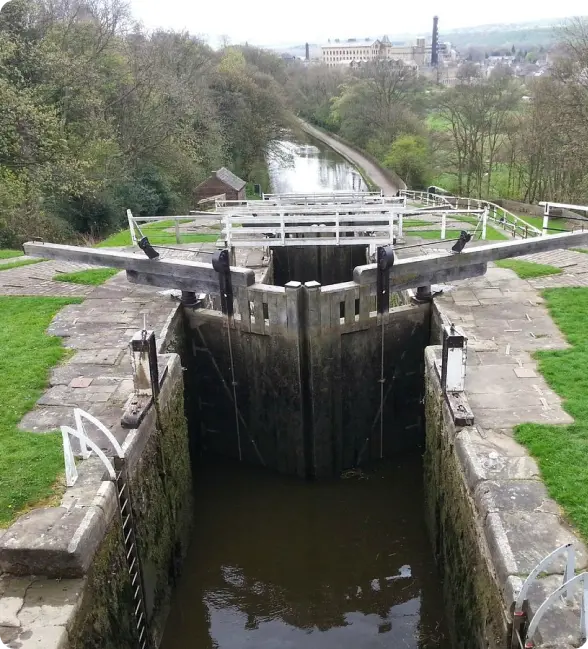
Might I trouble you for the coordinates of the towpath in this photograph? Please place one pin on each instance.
(374, 171)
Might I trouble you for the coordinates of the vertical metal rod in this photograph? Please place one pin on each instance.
(382, 392)
(545, 219)
(234, 384)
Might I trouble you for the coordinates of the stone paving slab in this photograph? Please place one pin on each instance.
(37, 280)
(35, 611)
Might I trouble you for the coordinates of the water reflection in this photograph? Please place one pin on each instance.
(303, 167)
(280, 563)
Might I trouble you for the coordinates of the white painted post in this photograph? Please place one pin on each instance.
(400, 224)
(132, 227)
(443, 225)
(228, 232)
(71, 472)
(453, 370)
(283, 227)
(337, 225)
(391, 225)
(469, 204)
(484, 222)
(545, 219)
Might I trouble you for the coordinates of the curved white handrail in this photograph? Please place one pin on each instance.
(87, 445)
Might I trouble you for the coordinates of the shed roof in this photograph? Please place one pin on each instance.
(229, 178)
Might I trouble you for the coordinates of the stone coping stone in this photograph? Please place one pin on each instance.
(61, 541)
(521, 524)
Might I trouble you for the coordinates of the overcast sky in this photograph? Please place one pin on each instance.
(271, 22)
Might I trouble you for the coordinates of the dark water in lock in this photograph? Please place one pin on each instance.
(279, 563)
(306, 166)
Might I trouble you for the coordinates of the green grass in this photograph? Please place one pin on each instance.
(415, 223)
(562, 451)
(582, 250)
(491, 234)
(156, 232)
(92, 277)
(250, 194)
(9, 254)
(528, 269)
(30, 464)
(536, 221)
(16, 264)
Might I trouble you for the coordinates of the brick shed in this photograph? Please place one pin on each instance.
(222, 181)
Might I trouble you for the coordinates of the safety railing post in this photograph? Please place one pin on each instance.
(282, 227)
(443, 225)
(484, 223)
(131, 221)
(545, 219)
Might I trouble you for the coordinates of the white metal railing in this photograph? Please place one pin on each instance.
(503, 218)
(523, 628)
(547, 205)
(327, 226)
(334, 195)
(135, 222)
(307, 201)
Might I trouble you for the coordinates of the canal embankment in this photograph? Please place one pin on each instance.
(385, 179)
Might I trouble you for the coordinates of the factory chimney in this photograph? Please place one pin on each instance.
(435, 43)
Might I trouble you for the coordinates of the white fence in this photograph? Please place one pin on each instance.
(328, 226)
(511, 223)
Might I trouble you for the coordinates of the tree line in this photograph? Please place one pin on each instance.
(492, 136)
(97, 115)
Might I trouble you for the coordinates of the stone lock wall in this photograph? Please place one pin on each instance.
(307, 362)
(80, 595)
(473, 597)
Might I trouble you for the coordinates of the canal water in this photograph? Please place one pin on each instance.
(306, 166)
(279, 563)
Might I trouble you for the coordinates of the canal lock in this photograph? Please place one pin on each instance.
(309, 500)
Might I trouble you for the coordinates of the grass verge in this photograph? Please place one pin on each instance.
(157, 234)
(30, 463)
(92, 277)
(528, 269)
(491, 234)
(562, 451)
(17, 264)
(9, 254)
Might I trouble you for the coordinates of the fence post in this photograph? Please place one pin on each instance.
(400, 224)
(443, 225)
(177, 229)
(545, 219)
(484, 223)
(132, 227)
(282, 227)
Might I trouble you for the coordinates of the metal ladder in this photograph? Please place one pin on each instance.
(131, 553)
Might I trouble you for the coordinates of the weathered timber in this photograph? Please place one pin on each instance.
(418, 271)
(178, 273)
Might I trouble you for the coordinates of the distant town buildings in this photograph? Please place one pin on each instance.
(355, 52)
